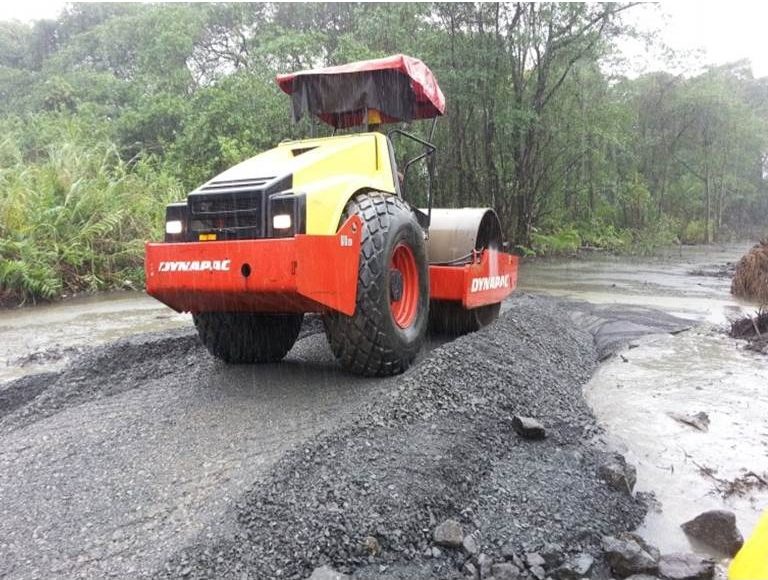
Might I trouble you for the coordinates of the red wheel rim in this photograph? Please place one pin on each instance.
(404, 310)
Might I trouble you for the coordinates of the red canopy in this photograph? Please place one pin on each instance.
(401, 87)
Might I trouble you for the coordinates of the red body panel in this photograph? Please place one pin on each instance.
(489, 279)
(300, 274)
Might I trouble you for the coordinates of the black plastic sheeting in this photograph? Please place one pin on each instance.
(342, 100)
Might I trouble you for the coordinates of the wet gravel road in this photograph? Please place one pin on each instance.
(142, 454)
(138, 447)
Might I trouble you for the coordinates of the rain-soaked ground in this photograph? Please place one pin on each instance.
(632, 394)
(700, 370)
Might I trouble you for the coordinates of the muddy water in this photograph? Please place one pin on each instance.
(44, 338)
(700, 370)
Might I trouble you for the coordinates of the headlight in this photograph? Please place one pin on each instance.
(282, 221)
(174, 227)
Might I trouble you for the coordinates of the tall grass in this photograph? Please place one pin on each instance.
(74, 216)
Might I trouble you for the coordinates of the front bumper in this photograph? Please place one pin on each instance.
(305, 273)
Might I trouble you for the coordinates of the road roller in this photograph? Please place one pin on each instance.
(327, 225)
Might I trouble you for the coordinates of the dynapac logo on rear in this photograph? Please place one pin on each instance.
(195, 266)
(489, 283)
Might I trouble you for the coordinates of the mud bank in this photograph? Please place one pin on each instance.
(439, 444)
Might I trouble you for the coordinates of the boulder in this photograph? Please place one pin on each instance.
(448, 534)
(717, 529)
(528, 427)
(574, 568)
(626, 557)
(553, 555)
(505, 571)
(371, 546)
(535, 559)
(651, 549)
(484, 562)
(327, 573)
(686, 567)
(538, 572)
(508, 552)
(470, 571)
(618, 474)
(470, 545)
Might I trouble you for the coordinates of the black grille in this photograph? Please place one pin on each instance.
(235, 208)
(226, 204)
(230, 223)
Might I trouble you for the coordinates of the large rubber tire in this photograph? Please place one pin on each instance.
(450, 318)
(387, 330)
(243, 337)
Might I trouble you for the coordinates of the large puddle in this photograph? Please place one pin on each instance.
(700, 370)
(43, 338)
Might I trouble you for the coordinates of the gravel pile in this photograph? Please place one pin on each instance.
(440, 444)
(99, 372)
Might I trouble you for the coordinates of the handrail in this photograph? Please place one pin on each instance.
(428, 153)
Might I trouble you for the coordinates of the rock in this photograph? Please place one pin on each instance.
(371, 546)
(686, 567)
(528, 427)
(469, 543)
(626, 557)
(538, 572)
(327, 573)
(508, 553)
(436, 553)
(534, 559)
(651, 549)
(717, 529)
(698, 421)
(505, 571)
(448, 534)
(553, 555)
(470, 571)
(484, 562)
(617, 473)
(574, 568)
(641, 577)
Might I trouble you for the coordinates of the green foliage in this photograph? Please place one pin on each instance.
(604, 236)
(111, 110)
(695, 232)
(75, 217)
(660, 233)
(563, 242)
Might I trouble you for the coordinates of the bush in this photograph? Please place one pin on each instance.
(604, 236)
(695, 232)
(660, 233)
(75, 217)
(558, 243)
